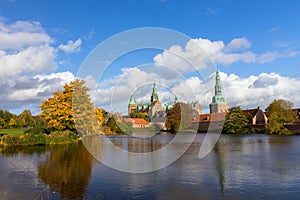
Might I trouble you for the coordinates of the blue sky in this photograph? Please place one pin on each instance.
(268, 31)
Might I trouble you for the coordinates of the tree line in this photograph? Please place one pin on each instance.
(23, 120)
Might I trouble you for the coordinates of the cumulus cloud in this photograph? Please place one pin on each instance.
(31, 59)
(25, 48)
(247, 92)
(27, 56)
(71, 46)
(31, 91)
(237, 44)
(22, 34)
(200, 53)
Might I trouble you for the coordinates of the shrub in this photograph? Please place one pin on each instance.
(37, 131)
(35, 138)
(58, 137)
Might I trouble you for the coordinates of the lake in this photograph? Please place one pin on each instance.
(239, 167)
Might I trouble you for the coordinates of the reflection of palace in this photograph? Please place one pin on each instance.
(156, 111)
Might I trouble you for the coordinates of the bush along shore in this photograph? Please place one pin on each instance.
(39, 137)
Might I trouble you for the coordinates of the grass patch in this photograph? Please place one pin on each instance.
(15, 132)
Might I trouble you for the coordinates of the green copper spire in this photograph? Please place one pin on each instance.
(154, 96)
(176, 100)
(218, 98)
(218, 88)
(131, 102)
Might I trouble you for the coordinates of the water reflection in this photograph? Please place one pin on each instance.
(239, 167)
(67, 170)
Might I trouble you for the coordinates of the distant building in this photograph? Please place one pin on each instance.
(131, 105)
(138, 122)
(218, 104)
(258, 116)
(157, 112)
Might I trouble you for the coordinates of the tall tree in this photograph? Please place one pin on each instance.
(25, 118)
(236, 121)
(279, 113)
(179, 117)
(71, 105)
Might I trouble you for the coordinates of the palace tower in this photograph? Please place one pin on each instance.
(218, 104)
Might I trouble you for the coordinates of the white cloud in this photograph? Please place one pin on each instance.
(71, 47)
(26, 90)
(27, 56)
(31, 59)
(22, 34)
(267, 57)
(248, 92)
(237, 44)
(259, 90)
(200, 53)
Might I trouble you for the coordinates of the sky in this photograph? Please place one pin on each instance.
(254, 44)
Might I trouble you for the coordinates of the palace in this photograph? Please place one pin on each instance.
(156, 111)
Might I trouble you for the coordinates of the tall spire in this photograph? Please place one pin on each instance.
(218, 97)
(131, 101)
(218, 87)
(154, 96)
(176, 100)
(218, 103)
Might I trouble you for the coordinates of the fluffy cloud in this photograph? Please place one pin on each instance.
(237, 44)
(248, 92)
(200, 53)
(27, 56)
(24, 48)
(71, 46)
(31, 59)
(31, 91)
(260, 90)
(21, 34)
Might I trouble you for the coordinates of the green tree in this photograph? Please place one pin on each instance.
(279, 114)
(22, 123)
(115, 127)
(179, 117)
(32, 123)
(6, 115)
(140, 115)
(26, 117)
(237, 122)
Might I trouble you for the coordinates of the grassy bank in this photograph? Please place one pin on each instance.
(56, 137)
(16, 132)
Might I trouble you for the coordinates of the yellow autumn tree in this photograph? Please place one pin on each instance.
(71, 109)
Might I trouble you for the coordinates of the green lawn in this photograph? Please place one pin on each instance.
(12, 131)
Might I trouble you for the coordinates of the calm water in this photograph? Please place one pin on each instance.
(239, 167)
